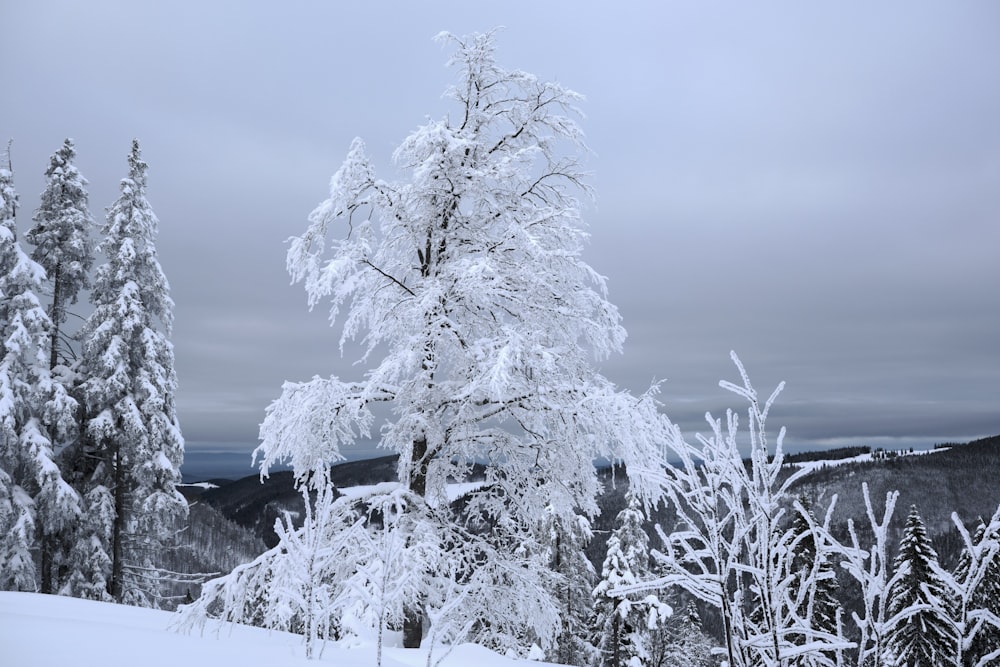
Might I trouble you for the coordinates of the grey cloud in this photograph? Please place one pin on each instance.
(814, 187)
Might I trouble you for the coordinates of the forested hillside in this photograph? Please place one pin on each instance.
(954, 477)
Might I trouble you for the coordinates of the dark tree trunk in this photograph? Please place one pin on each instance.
(46, 549)
(55, 316)
(413, 627)
(413, 614)
(117, 563)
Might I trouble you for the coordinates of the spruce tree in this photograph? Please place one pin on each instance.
(61, 236)
(816, 595)
(681, 641)
(984, 596)
(565, 541)
(38, 507)
(623, 622)
(128, 363)
(920, 632)
(17, 511)
(89, 570)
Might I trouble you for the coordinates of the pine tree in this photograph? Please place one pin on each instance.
(39, 506)
(61, 236)
(920, 632)
(130, 382)
(623, 622)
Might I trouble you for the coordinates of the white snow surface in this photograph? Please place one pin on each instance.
(53, 631)
(201, 485)
(454, 491)
(860, 458)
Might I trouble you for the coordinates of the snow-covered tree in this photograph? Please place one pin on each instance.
(733, 546)
(564, 545)
(870, 567)
(680, 641)
(38, 506)
(813, 591)
(467, 280)
(128, 363)
(17, 510)
(295, 586)
(61, 236)
(89, 563)
(623, 623)
(976, 594)
(919, 630)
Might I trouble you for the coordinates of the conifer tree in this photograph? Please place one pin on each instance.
(39, 507)
(976, 582)
(89, 567)
(61, 236)
(129, 389)
(17, 511)
(815, 589)
(565, 541)
(680, 641)
(920, 632)
(623, 622)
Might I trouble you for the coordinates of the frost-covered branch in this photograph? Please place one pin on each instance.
(734, 547)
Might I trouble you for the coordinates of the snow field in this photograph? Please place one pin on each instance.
(53, 631)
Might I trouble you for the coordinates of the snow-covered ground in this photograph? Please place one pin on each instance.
(52, 631)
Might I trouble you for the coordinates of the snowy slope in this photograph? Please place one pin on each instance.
(52, 631)
(860, 458)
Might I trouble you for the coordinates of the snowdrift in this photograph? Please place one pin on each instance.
(51, 631)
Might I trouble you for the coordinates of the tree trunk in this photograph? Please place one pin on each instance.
(117, 563)
(413, 614)
(46, 548)
(55, 316)
(616, 640)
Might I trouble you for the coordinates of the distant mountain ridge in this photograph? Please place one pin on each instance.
(963, 478)
(256, 503)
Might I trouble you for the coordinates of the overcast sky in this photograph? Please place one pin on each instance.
(816, 188)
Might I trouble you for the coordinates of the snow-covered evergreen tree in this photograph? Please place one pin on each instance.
(680, 641)
(61, 236)
(564, 544)
(39, 507)
(976, 593)
(920, 632)
(89, 563)
(17, 510)
(813, 593)
(128, 363)
(869, 565)
(623, 623)
(468, 278)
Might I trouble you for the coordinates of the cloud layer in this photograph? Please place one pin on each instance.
(815, 188)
